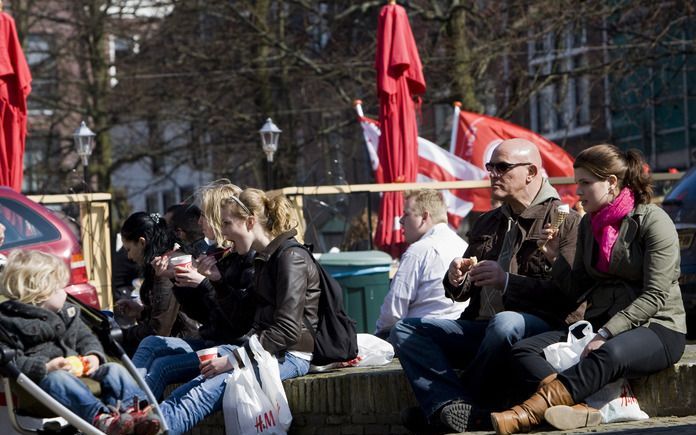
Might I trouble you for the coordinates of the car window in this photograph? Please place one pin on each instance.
(684, 192)
(23, 226)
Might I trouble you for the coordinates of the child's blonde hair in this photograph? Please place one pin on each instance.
(31, 277)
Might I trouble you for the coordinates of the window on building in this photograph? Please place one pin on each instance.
(152, 203)
(42, 164)
(169, 199)
(44, 83)
(561, 108)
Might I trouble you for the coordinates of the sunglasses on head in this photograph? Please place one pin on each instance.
(503, 167)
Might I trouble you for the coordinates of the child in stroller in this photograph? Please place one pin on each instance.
(54, 347)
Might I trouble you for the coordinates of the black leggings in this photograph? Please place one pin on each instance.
(631, 354)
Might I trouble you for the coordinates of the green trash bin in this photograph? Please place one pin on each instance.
(364, 276)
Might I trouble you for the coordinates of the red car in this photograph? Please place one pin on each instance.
(29, 225)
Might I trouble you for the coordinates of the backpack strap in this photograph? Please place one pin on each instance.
(295, 244)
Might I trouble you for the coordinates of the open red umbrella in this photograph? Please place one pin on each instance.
(15, 85)
(399, 77)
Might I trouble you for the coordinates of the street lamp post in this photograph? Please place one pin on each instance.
(84, 144)
(269, 142)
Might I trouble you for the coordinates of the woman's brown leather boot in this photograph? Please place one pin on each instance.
(522, 418)
(572, 417)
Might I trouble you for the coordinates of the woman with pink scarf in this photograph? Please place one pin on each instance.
(626, 267)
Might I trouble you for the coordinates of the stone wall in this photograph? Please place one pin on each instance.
(367, 401)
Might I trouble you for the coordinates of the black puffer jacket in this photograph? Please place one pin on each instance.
(39, 335)
(287, 288)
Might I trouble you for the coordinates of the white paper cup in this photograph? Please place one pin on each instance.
(181, 261)
(207, 354)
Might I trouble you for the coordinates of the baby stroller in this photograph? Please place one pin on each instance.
(32, 411)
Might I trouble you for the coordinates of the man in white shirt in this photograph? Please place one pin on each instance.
(417, 289)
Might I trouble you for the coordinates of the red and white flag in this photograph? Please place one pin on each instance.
(475, 136)
(434, 164)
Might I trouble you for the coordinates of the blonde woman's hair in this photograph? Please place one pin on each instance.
(210, 198)
(431, 201)
(274, 214)
(32, 277)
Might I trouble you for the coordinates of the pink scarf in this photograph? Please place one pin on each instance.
(606, 223)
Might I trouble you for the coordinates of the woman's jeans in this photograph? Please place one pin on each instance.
(192, 402)
(631, 354)
(116, 385)
(430, 349)
(167, 360)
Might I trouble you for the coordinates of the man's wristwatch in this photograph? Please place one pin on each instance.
(604, 333)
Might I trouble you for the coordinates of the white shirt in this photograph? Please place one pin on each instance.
(416, 289)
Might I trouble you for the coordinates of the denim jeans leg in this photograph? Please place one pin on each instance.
(293, 367)
(167, 360)
(73, 394)
(429, 350)
(504, 329)
(189, 404)
(117, 385)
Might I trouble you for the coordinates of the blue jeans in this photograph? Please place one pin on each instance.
(167, 360)
(116, 384)
(192, 402)
(430, 349)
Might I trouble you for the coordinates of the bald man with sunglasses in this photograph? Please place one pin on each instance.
(507, 280)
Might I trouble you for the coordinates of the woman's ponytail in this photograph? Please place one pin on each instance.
(637, 177)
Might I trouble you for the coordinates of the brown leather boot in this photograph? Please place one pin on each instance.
(572, 417)
(547, 380)
(522, 418)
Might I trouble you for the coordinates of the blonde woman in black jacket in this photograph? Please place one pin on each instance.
(287, 288)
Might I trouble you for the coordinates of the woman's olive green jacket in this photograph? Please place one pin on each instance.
(641, 286)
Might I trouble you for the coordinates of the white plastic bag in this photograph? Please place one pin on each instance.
(372, 351)
(272, 386)
(564, 355)
(246, 408)
(616, 402)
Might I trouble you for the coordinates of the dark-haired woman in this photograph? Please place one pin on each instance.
(147, 240)
(626, 266)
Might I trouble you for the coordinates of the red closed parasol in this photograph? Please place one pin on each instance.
(399, 77)
(15, 85)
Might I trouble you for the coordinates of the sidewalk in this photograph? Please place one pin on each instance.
(654, 426)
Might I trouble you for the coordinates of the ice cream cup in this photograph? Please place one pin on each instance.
(181, 261)
(207, 354)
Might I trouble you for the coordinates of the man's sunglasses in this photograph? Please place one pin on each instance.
(502, 167)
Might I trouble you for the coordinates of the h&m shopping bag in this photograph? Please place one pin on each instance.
(272, 386)
(616, 402)
(245, 406)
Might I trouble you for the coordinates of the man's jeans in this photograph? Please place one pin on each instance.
(430, 349)
(167, 360)
(192, 402)
(116, 384)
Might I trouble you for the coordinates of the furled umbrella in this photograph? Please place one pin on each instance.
(15, 85)
(399, 78)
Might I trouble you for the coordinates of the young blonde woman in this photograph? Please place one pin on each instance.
(626, 266)
(286, 290)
